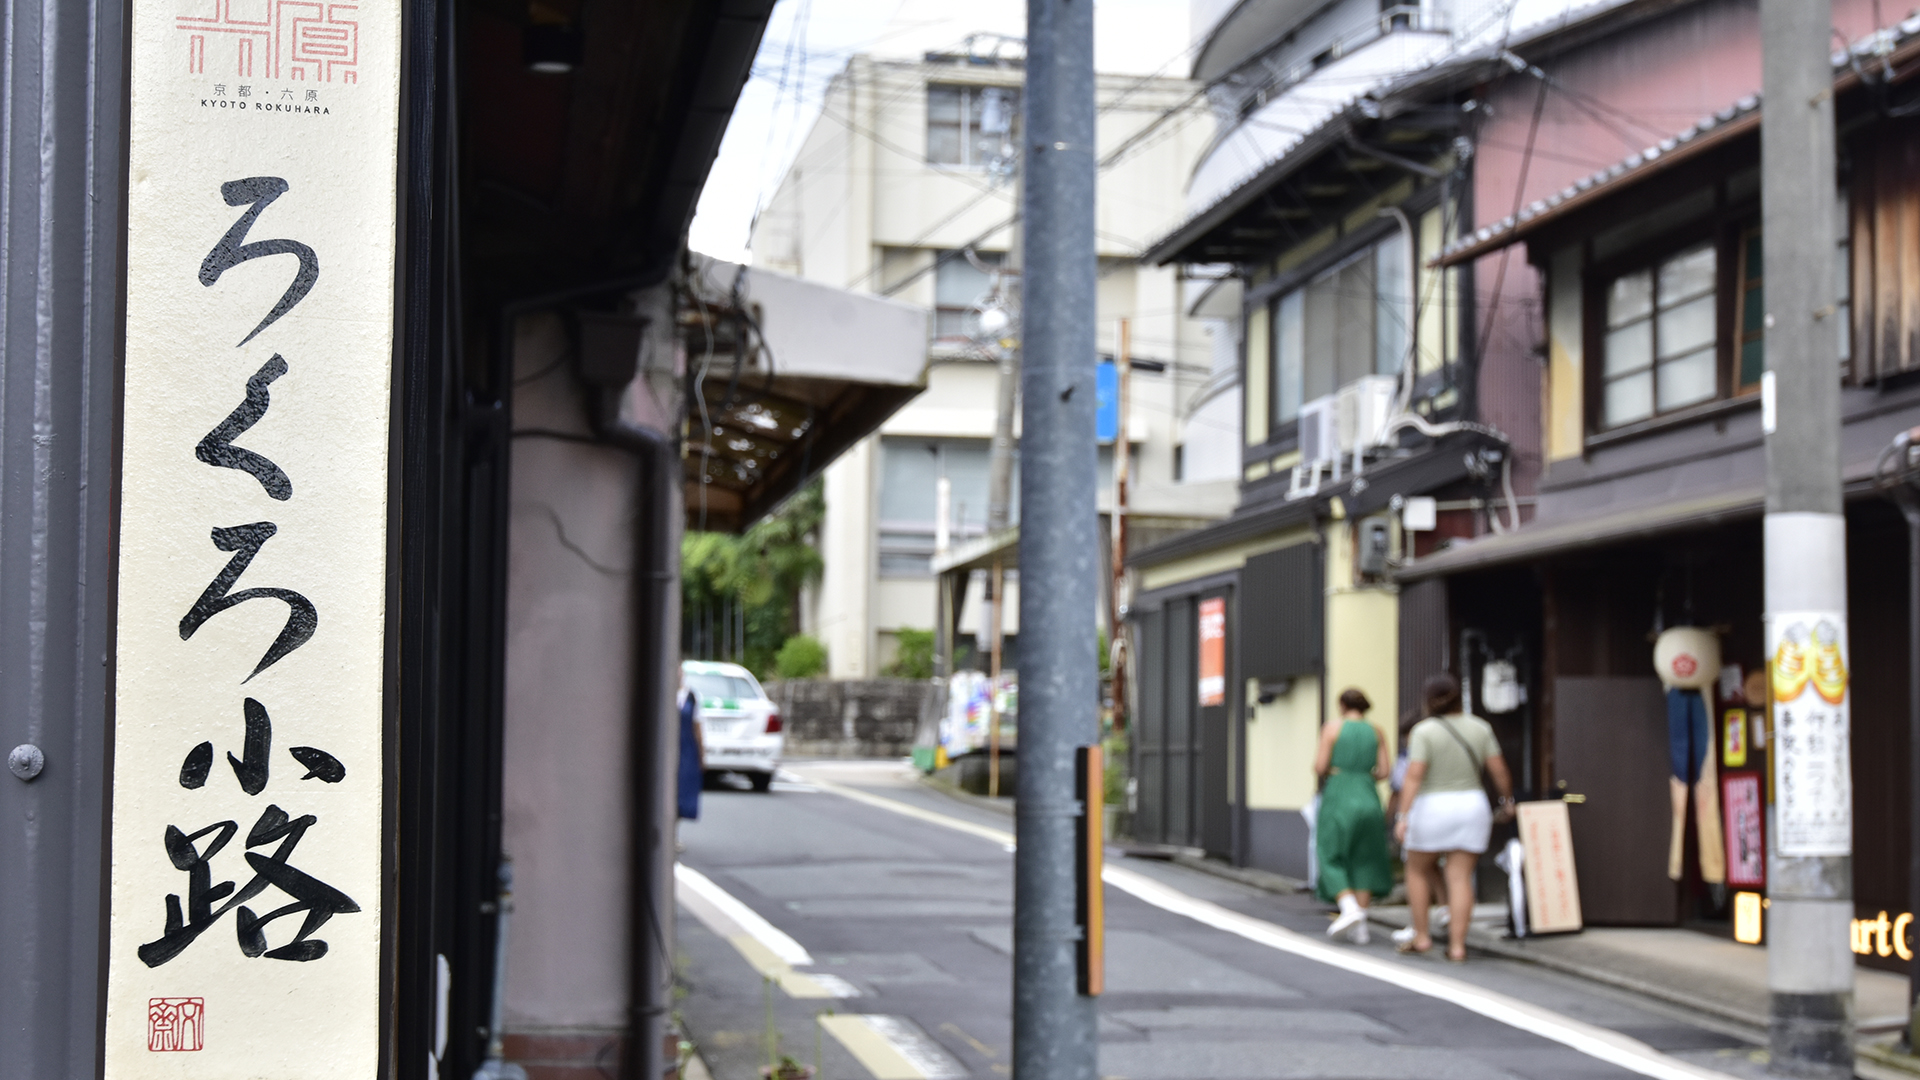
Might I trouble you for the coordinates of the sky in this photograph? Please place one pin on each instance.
(808, 42)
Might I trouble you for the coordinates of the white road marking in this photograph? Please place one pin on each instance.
(1589, 1039)
(745, 919)
(764, 946)
(893, 1047)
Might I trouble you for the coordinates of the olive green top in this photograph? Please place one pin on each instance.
(1449, 768)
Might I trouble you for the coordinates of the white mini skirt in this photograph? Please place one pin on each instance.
(1449, 821)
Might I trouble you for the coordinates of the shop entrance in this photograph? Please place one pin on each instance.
(1182, 760)
(1611, 749)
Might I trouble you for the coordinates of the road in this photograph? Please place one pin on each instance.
(864, 920)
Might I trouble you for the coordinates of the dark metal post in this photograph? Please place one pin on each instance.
(1054, 1027)
(1809, 964)
(62, 85)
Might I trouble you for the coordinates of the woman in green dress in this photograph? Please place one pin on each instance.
(1350, 833)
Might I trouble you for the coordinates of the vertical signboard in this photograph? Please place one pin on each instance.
(1812, 720)
(1552, 883)
(247, 844)
(1213, 651)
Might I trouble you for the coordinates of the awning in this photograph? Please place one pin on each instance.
(979, 554)
(1537, 541)
(821, 369)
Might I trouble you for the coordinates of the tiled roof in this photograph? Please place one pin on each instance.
(1741, 112)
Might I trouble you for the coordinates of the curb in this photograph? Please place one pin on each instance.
(1887, 1054)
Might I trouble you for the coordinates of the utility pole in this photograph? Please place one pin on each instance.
(1809, 963)
(1055, 1034)
(1000, 481)
(1117, 586)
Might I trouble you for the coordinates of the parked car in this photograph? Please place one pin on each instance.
(741, 726)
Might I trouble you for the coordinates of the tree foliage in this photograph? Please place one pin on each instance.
(759, 572)
(912, 655)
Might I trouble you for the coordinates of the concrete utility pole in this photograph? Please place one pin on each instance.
(1055, 1036)
(1809, 963)
(1000, 481)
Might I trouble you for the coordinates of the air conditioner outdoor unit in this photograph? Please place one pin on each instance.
(1366, 405)
(1320, 430)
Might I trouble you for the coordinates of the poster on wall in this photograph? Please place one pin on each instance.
(1813, 779)
(244, 936)
(1746, 837)
(1213, 651)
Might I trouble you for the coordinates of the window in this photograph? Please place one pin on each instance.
(1661, 338)
(910, 472)
(716, 686)
(959, 287)
(1349, 321)
(971, 126)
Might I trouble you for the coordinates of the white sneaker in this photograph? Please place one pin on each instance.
(1359, 935)
(1350, 913)
(1403, 935)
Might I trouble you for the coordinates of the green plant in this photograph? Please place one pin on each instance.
(913, 655)
(757, 574)
(800, 657)
(1114, 783)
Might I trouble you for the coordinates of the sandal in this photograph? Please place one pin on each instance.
(1461, 959)
(1408, 946)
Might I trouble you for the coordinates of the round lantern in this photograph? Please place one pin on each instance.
(1687, 658)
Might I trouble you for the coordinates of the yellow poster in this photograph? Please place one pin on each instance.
(247, 845)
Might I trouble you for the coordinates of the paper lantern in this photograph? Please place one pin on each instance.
(1687, 658)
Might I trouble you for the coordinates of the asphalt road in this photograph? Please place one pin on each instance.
(907, 919)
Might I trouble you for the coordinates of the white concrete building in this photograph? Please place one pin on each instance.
(905, 187)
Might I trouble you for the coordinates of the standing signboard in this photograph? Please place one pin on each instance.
(1213, 652)
(1553, 884)
(247, 809)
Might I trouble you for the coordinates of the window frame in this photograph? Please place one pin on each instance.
(1723, 228)
(970, 94)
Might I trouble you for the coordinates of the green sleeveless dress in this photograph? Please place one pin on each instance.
(1350, 835)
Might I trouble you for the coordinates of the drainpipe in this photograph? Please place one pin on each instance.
(653, 742)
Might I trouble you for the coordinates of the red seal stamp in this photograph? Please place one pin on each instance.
(176, 1023)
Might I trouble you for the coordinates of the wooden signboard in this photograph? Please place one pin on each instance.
(1553, 886)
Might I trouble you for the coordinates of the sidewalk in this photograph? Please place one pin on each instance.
(1711, 975)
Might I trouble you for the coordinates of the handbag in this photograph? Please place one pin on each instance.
(1494, 799)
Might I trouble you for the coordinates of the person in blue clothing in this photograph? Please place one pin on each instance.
(693, 756)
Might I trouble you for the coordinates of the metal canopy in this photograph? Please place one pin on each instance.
(783, 376)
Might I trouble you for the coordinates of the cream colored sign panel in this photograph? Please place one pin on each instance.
(245, 935)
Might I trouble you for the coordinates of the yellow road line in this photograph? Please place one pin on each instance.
(871, 1048)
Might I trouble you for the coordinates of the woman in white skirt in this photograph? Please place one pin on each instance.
(1443, 810)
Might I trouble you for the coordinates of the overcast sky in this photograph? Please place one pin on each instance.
(808, 42)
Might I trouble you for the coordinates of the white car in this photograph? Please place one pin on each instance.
(739, 724)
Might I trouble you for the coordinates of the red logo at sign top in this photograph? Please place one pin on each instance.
(1684, 666)
(176, 1023)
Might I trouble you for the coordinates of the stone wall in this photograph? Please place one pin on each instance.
(871, 718)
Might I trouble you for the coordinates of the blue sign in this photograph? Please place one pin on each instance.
(1106, 396)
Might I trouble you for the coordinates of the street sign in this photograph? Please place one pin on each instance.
(1106, 392)
(247, 837)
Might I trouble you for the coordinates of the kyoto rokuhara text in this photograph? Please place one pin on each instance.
(272, 839)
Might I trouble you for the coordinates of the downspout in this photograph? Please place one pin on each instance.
(653, 742)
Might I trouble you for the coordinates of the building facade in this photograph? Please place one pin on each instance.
(906, 187)
(1651, 333)
(1597, 270)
